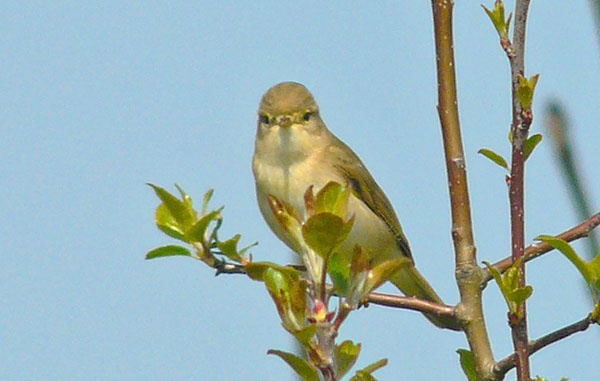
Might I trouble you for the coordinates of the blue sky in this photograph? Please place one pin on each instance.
(99, 98)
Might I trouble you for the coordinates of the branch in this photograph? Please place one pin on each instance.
(539, 248)
(468, 275)
(521, 121)
(412, 303)
(504, 365)
(388, 300)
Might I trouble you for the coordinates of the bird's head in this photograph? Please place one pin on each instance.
(288, 119)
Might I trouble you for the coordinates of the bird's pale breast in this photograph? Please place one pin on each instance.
(289, 183)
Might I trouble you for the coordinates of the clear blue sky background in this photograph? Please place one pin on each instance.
(98, 98)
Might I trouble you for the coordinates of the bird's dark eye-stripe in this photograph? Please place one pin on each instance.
(264, 118)
(307, 116)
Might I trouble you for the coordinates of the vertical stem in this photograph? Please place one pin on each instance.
(566, 154)
(468, 275)
(596, 12)
(520, 129)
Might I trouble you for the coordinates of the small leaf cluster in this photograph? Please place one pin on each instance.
(509, 284)
(302, 300)
(530, 145)
(525, 91)
(501, 23)
(178, 219)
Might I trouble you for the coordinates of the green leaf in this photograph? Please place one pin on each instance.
(245, 249)
(229, 248)
(279, 286)
(494, 272)
(512, 277)
(168, 251)
(375, 366)
(568, 251)
(526, 89)
(298, 298)
(256, 270)
(207, 197)
(365, 373)
(346, 355)
(530, 145)
(181, 212)
(276, 280)
(300, 365)
(167, 223)
(286, 216)
(493, 156)
(509, 285)
(197, 232)
(339, 269)
(595, 264)
(520, 295)
(333, 198)
(323, 233)
(184, 196)
(467, 363)
(498, 19)
(305, 335)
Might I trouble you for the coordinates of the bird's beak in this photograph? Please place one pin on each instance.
(284, 121)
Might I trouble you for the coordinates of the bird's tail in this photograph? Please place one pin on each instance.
(410, 281)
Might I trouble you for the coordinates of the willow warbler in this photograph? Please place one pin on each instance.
(294, 150)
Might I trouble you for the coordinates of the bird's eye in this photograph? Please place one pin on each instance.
(264, 118)
(307, 116)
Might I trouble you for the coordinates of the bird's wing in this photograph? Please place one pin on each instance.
(365, 188)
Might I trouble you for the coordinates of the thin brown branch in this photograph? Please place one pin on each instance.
(388, 300)
(468, 275)
(539, 248)
(506, 364)
(521, 122)
(412, 303)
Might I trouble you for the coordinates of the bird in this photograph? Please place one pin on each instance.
(294, 150)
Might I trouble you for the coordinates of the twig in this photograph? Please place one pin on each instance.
(468, 275)
(388, 300)
(539, 248)
(412, 303)
(223, 267)
(521, 121)
(506, 364)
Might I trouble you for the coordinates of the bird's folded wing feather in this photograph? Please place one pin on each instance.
(365, 188)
